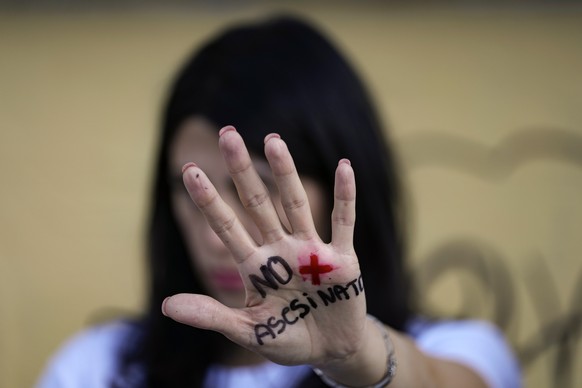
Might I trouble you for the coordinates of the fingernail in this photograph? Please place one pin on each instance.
(345, 161)
(226, 129)
(188, 165)
(164, 306)
(271, 136)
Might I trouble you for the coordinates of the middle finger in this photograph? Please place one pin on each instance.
(293, 196)
(252, 192)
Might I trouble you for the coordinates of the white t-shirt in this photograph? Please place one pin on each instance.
(90, 359)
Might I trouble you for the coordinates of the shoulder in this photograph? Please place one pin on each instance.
(89, 358)
(477, 344)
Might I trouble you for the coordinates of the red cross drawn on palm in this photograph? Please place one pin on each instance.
(314, 269)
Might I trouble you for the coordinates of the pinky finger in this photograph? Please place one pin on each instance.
(343, 217)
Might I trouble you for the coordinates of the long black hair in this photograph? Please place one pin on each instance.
(280, 75)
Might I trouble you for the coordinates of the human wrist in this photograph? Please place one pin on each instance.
(372, 366)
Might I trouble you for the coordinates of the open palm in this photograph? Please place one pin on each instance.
(305, 300)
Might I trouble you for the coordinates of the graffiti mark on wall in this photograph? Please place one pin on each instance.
(492, 162)
(559, 324)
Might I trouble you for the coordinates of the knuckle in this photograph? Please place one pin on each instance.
(256, 200)
(224, 226)
(293, 204)
(343, 220)
(207, 201)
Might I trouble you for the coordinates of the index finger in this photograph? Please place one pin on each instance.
(221, 218)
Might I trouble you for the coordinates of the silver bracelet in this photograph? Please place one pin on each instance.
(390, 363)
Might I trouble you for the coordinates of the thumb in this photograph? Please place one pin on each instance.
(204, 312)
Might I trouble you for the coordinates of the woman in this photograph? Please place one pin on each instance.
(259, 260)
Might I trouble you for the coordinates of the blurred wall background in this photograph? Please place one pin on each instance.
(484, 102)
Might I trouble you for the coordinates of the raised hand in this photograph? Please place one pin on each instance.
(305, 300)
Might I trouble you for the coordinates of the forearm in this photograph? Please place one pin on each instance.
(369, 364)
